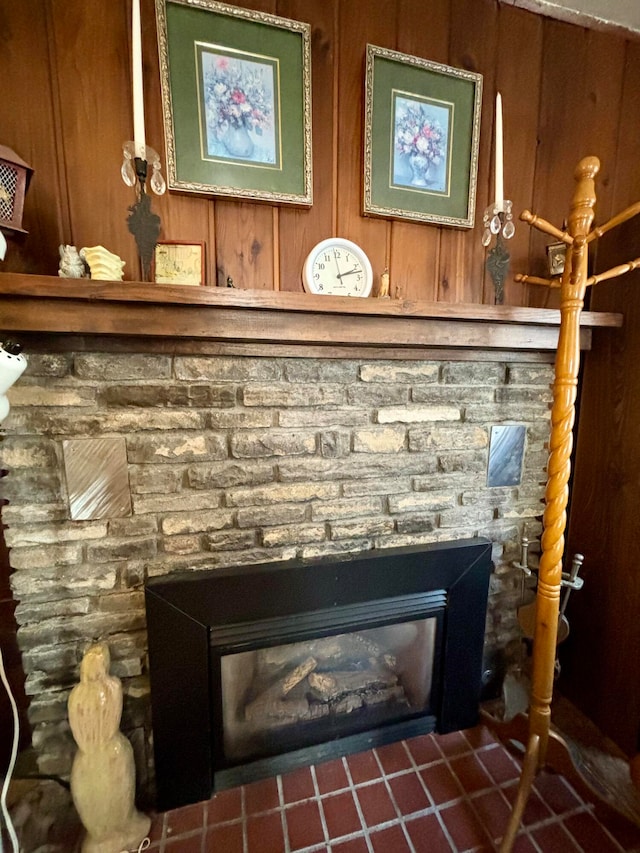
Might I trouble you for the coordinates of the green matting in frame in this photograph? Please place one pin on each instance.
(422, 128)
(236, 92)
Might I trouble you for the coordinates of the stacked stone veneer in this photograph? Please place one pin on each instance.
(236, 460)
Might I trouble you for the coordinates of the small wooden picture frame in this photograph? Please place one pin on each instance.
(176, 262)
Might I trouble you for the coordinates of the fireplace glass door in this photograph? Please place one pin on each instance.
(282, 696)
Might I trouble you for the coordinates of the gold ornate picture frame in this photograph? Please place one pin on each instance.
(236, 94)
(422, 131)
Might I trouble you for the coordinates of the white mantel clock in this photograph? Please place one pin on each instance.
(337, 267)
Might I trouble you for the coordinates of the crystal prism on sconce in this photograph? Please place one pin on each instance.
(152, 158)
(142, 222)
(498, 221)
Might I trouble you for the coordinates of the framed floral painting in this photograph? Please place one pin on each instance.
(236, 93)
(422, 129)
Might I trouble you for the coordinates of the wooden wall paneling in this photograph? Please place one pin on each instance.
(301, 229)
(579, 112)
(561, 142)
(563, 139)
(275, 223)
(62, 201)
(23, 33)
(415, 248)
(473, 46)
(91, 45)
(244, 231)
(601, 661)
(360, 23)
(28, 126)
(244, 245)
(81, 97)
(184, 217)
(519, 62)
(602, 99)
(601, 664)
(626, 175)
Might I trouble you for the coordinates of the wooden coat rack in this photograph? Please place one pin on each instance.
(544, 746)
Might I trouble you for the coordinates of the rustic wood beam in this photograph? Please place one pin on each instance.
(42, 304)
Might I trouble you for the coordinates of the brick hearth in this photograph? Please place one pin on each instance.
(430, 794)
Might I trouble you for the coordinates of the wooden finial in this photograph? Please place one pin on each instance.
(584, 198)
(588, 167)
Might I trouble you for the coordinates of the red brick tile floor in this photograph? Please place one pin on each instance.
(430, 794)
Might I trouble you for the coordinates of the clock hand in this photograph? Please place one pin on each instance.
(335, 258)
(349, 272)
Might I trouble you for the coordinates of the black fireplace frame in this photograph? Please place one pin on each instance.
(193, 618)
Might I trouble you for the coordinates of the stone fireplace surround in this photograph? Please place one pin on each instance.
(238, 455)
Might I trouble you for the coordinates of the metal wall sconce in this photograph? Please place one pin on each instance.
(15, 176)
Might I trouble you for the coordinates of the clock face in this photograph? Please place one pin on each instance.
(337, 267)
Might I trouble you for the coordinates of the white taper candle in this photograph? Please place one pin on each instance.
(499, 185)
(138, 98)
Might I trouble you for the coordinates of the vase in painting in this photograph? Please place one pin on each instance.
(420, 166)
(238, 142)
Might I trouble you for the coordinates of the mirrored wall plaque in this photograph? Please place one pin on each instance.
(506, 454)
(97, 478)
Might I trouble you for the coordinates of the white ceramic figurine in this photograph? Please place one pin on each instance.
(103, 771)
(71, 264)
(104, 265)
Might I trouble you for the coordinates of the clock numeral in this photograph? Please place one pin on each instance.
(317, 275)
(327, 257)
(320, 266)
(337, 253)
(320, 287)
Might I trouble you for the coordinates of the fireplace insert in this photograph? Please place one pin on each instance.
(259, 669)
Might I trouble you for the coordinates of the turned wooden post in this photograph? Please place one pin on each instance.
(572, 291)
(572, 285)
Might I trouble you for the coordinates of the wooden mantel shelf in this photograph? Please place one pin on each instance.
(44, 304)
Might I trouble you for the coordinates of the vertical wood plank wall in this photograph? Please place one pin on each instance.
(601, 657)
(66, 109)
(601, 661)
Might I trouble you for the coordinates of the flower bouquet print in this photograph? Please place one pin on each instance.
(421, 141)
(236, 96)
(421, 135)
(240, 107)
